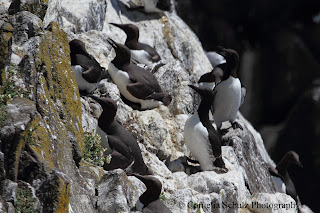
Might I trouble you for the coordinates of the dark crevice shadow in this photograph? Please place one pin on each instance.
(133, 15)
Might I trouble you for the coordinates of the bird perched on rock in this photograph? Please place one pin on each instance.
(125, 149)
(149, 201)
(140, 52)
(228, 92)
(151, 6)
(135, 83)
(201, 138)
(87, 70)
(280, 175)
(181, 164)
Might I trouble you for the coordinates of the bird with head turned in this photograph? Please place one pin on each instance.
(87, 70)
(136, 84)
(140, 52)
(228, 91)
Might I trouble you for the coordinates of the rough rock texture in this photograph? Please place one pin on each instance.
(265, 203)
(39, 8)
(88, 15)
(42, 132)
(42, 138)
(5, 44)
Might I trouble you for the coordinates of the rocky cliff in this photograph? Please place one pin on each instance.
(43, 118)
(280, 64)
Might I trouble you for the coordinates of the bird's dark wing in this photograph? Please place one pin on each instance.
(155, 57)
(140, 90)
(273, 171)
(84, 60)
(119, 146)
(92, 75)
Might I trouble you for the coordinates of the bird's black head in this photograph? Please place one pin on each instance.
(131, 30)
(122, 53)
(205, 93)
(153, 191)
(232, 58)
(109, 108)
(212, 77)
(77, 47)
(292, 158)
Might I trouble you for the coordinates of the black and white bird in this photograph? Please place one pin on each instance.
(87, 70)
(125, 149)
(149, 201)
(201, 138)
(183, 164)
(140, 52)
(136, 84)
(228, 92)
(280, 175)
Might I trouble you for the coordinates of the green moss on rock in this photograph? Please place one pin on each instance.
(59, 90)
(25, 201)
(5, 43)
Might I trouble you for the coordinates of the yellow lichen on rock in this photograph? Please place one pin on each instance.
(5, 36)
(63, 196)
(59, 95)
(38, 139)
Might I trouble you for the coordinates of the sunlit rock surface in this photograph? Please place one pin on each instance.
(41, 135)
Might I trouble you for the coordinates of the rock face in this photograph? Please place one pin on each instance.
(43, 118)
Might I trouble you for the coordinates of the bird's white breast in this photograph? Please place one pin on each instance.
(196, 138)
(278, 184)
(82, 83)
(121, 79)
(227, 100)
(243, 95)
(141, 56)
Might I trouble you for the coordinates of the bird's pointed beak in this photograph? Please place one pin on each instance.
(299, 164)
(193, 87)
(117, 25)
(97, 99)
(112, 43)
(140, 177)
(197, 89)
